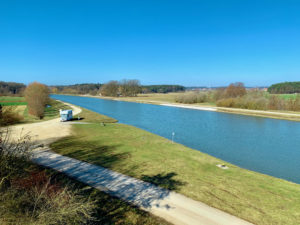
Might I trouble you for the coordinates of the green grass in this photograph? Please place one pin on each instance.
(11, 101)
(288, 96)
(255, 197)
(90, 116)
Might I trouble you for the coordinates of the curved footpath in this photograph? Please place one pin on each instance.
(169, 205)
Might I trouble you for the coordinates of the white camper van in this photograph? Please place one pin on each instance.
(65, 115)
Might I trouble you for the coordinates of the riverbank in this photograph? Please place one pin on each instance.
(169, 100)
(255, 197)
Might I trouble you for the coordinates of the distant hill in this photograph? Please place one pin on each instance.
(285, 88)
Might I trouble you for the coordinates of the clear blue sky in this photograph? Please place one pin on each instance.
(185, 42)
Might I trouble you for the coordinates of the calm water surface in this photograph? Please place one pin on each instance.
(264, 145)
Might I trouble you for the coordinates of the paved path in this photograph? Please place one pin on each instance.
(171, 206)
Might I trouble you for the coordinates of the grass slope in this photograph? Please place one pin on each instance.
(255, 197)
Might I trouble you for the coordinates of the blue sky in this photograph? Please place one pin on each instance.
(205, 43)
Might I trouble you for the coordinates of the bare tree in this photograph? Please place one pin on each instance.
(130, 88)
(110, 89)
(235, 90)
(37, 96)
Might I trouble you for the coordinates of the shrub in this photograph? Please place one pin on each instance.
(276, 103)
(227, 102)
(191, 97)
(8, 116)
(35, 198)
(219, 94)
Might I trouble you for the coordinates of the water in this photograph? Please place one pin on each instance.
(264, 145)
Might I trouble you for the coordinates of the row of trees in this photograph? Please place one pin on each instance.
(285, 88)
(125, 88)
(11, 88)
(80, 89)
(234, 90)
(162, 88)
(236, 96)
(109, 89)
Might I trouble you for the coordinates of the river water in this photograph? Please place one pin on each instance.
(264, 145)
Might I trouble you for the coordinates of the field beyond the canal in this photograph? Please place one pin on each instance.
(252, 196)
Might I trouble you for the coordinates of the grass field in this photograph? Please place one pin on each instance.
(10, 101)
(288, 96)
(258, 198)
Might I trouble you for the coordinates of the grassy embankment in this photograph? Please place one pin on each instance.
(255, 197)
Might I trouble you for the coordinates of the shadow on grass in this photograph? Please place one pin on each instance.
(164, 180)
(77, 118)
(89, 151)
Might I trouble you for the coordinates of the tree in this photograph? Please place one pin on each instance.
(130, 88)
(11, 88)
(235, 90)
(110, 89)
(37, 96)
(285, 88)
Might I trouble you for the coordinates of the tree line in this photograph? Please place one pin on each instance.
(162, 88)
(236, 96)
(80, 89)
(285, 88)
(114, 88)
(124, 88)
(11, 88)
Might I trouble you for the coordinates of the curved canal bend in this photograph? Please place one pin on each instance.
(264, 145)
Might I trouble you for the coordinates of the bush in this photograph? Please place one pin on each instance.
(35, 197)
(8, 116)
(191, 97)
(227, 102)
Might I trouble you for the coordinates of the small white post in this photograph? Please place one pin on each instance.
(173, 134)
